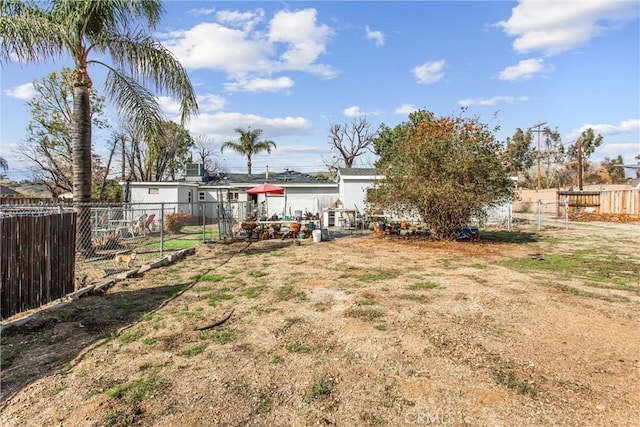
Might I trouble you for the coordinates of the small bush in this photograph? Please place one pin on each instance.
(174, 222)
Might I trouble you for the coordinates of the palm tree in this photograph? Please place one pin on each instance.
(88, 31)
(249, 145)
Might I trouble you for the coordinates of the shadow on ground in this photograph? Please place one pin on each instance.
(51, 339)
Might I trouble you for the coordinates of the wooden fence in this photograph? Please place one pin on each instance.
(37, 260)
(625, 202)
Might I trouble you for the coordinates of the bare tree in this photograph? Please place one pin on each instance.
(351, 140)
(204, 149)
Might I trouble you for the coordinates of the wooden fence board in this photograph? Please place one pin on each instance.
(37, 260)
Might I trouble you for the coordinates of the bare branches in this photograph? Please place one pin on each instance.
(351, 140)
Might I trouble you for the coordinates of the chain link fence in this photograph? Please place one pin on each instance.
(536, 215)
(115, 237)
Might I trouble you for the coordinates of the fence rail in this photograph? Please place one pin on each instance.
(37, 259)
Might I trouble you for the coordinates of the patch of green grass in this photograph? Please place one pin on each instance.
(296, 347)
(506, 378)
(377, 276)
(257, 273)
(366, 313)
(223, 336)
(137, 390)
(288, 292)
(381, 326)
(276, 359)
(254, 291)
(587, 294)
(176, 244)
(206, 278)
(149, 341)
(264, 405)
(370, 419)
(194, 351)
(322, 386)
(128, 338)
(478, 266)
(368, 301)
(597, 268)
(219, 296)
(423, 286)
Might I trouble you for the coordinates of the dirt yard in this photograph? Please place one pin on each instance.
(518, 329)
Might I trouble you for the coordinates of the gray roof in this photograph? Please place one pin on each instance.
(357, 171)
(6, 191)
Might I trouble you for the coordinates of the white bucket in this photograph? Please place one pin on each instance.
(317, 236)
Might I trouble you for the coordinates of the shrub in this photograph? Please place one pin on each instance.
(174, 222)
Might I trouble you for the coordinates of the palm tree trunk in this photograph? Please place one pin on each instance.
(249, 166)
(82, 165)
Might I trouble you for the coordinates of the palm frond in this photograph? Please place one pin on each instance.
(28, 35)
(144, 57)
(134, 102)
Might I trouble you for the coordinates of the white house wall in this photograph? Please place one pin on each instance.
(353, 192)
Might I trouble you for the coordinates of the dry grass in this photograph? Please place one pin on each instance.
(356, 331)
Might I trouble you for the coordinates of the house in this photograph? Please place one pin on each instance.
(225, 194)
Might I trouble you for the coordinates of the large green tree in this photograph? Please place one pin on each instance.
(383, 143)
(519, 154)
(249, 145)
(88, 32)
(446, 169)
(48, 147)
(611, 171)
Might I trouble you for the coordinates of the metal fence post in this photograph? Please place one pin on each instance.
(204, 222)
(509, 216)
(539, 214)
(566, 213)
(161, 229)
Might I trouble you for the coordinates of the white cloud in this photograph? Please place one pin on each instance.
(238, 45)
(353, 111)
(220, 126)
(429, 72)
(210, 102)
(245, 20)
(202, 11)
(405, 109)
(492, 101)
(305, 41)
(206, 103)
(216, 47)
(260, 85)
(631, 126)
(25, 91)
(525, 69)
(376, 35)
(552, 26)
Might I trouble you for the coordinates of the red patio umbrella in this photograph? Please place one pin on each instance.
(266, 189)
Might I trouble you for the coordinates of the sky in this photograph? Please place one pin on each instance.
(294, 69)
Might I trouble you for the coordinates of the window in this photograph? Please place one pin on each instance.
(201, 196)
(154, 191)
(233, 195)
(190, 196)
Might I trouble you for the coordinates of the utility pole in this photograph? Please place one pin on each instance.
(579, 149)
(538, 125)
